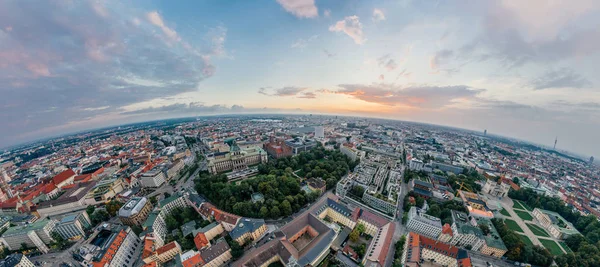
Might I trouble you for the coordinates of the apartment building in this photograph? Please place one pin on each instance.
(423, 224)
(135, 211)
(73, 226)
(248, 229)
(119, 249)
(37, 234)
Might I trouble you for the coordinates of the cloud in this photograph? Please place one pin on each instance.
(413, 96)
(562, 78)
(308, 95)
(300, 92)
(65, 64)
(327, 13)
(387, 62)
(439, 58)
(352, 27)
(196, 108)
(520, 32)
(378, 15)
(155, 18)
(302, 43)
(300, 8)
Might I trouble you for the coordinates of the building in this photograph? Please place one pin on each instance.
(161, 254)
(465, 232)
(350, 151)
(416, 165)
(277, 148)
(475, 205)
(319, 132)
(299, 145)
(236, 159)
(308, 238)
(315, 184)
(447, 168)
(423, 224)
(174, 168)
(216, 255)
(153, 178)
(73, 226)
(119, 248)
(4, 222)
(155, 223)
(211, 213)
(496, 188)
(248, 229)
(135, 211)
(74, 198)
(64, 178)
(384, 205)
(204, 235)
(493, 245)
(37, 234)
(16, 260)
(556, 225)
(419, 249)
(304, 241)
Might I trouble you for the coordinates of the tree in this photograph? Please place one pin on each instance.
(331, 182)
(434, 210)
(23, 246)
(360, 228)
(171, 222)
(286, 208)
(354, 235)
(516, 180)
(484, 228)
(153, 200)
(113, 207)
(264, 212)
(166, 195)
(90, 210)
(275, 212)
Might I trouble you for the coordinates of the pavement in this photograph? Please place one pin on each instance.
(507, 204)
(478, 259)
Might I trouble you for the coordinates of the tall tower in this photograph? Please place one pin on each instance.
(555, 141)
(485, 132)
(591, 160)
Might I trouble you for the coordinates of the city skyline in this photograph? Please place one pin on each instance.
(520, 70)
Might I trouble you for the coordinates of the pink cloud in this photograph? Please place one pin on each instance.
(155, 18)
(300, 8)
(352, 27)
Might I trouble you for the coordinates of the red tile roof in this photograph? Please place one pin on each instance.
(193, 261)
(447, 229)
(61, 177)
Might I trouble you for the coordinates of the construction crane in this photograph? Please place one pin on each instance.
(462, 188)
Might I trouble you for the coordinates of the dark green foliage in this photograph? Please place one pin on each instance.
(518, 251)
(281, 189)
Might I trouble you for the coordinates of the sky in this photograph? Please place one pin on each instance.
(522, 69)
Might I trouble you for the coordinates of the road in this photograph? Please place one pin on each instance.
(478, 259)
(66, 256)
(400, 229)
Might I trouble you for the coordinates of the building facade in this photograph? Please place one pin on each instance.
(73, 226)
(121, 250)
(135, 211)
(236, 159)
(423, 224)
(37, 234)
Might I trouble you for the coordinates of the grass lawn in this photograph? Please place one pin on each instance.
(520, 205)
(565, 247)
(551, 246)
(524, 215)
(513, 225)
(537, 230)
(526, 240)
(505, 212)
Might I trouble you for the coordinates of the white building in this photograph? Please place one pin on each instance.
(153, 178)
(319, 132)
(416, 165)
(120, 250)
(73, 226)
(37, 234)
(465, 232)
(16, 260)
(494, 188)
(423, 224)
